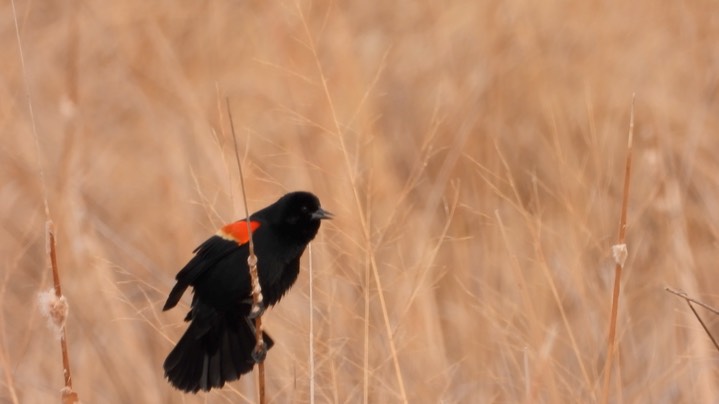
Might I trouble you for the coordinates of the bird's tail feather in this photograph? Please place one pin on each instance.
(210, 354)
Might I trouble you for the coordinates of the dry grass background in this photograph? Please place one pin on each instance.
(473, 151)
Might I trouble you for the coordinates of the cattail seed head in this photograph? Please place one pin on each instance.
(55, 309)
(619, 252)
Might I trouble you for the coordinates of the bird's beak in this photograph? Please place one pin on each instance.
(322, 214)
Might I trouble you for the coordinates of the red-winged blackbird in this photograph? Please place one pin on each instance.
(218, 345)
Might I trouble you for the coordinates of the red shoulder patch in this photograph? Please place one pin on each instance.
(237, 231)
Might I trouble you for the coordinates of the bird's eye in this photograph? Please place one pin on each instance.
(305, 209)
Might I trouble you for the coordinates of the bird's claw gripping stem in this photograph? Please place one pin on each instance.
(259, 353)
(257, 310)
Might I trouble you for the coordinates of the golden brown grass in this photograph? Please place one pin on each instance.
(473, 154)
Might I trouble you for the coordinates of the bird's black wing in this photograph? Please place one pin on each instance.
(207, 255)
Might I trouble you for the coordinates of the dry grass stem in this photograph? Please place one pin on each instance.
(683, 295)
(312, 328)
(257, 300)
(55, 308)
(620, 254)
(689, 301)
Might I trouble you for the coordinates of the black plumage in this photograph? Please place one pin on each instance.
(218, 344)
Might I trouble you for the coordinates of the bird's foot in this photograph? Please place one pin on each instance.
(259, 353)
(257, 310)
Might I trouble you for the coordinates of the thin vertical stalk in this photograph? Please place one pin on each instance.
(312, 332)
(252, 263)
(620, 254)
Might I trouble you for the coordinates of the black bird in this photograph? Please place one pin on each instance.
(219, 344)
